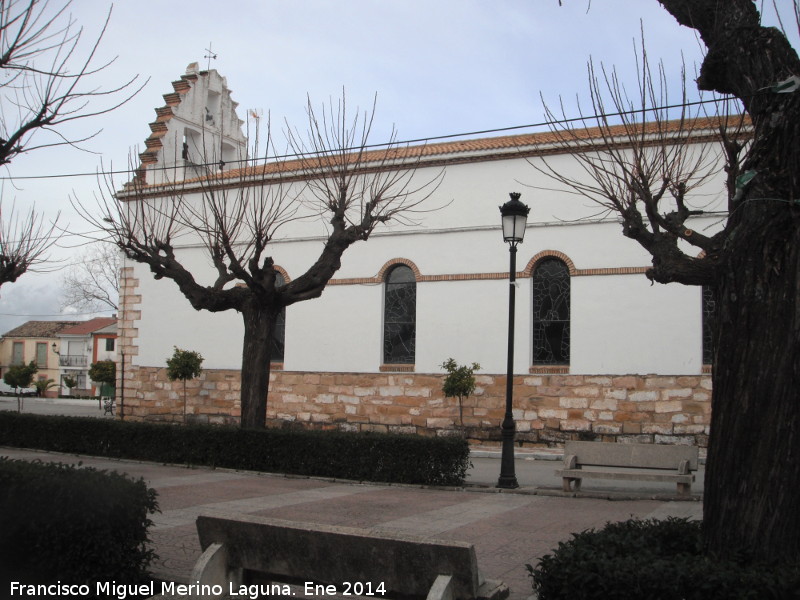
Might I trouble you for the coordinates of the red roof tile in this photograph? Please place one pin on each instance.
(89, 326)
(527, 144)
(39, 329)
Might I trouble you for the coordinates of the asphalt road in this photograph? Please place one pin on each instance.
(55, 406)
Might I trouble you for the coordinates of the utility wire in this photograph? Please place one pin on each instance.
(424, 140)
(81, 314)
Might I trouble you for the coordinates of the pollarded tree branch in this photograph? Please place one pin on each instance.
(46, 82)
(358, 189)
(24, 242)
(645, 167)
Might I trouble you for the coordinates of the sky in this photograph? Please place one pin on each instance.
(438, 67)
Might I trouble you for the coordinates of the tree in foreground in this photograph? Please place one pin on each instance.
(48, 80)
(752, 263)
(20, 377)
(184, 365)
(235, 216)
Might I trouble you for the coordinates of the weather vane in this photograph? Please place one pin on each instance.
(210, 56)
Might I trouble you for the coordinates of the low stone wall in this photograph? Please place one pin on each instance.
(548, 409)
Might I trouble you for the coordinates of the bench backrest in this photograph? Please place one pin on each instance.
(651, 456)
(288, 550)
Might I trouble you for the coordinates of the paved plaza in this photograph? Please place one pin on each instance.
(508, 529)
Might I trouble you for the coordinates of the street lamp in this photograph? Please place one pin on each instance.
(515, 216)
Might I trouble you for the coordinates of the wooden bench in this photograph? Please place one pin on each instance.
(644, 462)
(247, 548)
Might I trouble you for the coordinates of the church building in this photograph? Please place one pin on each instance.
(600, 352)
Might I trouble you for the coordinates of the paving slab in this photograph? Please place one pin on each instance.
(508, 530)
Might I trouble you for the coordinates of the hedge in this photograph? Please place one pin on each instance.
(662, 560)
(378, 457)
(77, 525)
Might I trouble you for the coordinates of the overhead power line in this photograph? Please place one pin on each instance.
(425, 140)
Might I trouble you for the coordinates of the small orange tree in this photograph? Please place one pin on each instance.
(184, 365)
(459, 383)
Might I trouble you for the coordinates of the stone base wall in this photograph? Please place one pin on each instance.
(548, 409)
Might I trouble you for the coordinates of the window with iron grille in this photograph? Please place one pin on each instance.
(551, 313)
(709, 313)
(278, 342)
(400, 316)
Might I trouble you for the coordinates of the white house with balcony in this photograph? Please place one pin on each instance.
(80, 346)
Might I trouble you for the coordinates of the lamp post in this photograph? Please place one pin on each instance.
(514, 216)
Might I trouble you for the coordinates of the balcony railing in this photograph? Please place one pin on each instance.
(72, 360)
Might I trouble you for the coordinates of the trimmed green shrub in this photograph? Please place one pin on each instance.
(663, 560)
(78, 525)
(379, 457)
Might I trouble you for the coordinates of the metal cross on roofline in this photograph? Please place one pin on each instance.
(210, 56)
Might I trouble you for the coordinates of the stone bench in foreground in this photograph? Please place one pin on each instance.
(328, 560)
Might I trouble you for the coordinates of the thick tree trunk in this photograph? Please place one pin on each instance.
(753, 476)
(259, 322)
(753, 473)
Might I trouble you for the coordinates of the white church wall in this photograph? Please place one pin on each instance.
(627, 336)
(468, 321)
(340, 331)
(622, 324)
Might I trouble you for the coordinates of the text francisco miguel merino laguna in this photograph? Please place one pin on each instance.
(112, 589)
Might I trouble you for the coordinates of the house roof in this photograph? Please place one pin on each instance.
(39, 329)
(88, 327)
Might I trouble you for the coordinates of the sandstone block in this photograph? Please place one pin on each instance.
(548, 413)
(573, 402)
(576, 425)
(604, 404)
(662, 428)
(631, 428)
(643, 396)
(669, 406)
(607, 428)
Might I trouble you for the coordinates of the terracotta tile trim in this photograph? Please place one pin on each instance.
(549, 369)
(381, 276)
(528, 271)
(396, 368)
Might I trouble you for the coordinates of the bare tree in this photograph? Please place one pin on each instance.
(92, 283)
(752, 264)
(45, 84)
(644, 158)
(24, 240)
(237, 214)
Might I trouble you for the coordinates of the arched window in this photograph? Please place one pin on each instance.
(709, 312)
(399, 316)
(279, 333)
(551, 297)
